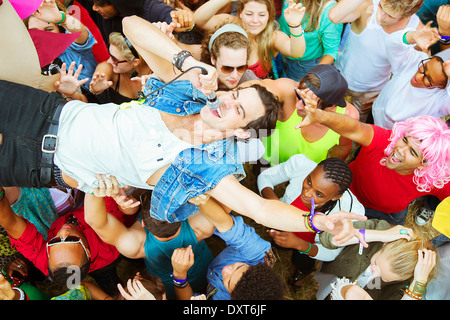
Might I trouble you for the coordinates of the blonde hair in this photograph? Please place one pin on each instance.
(313, 9)
(265, 53)
(403, 256)
(405, 8)
(117, 39)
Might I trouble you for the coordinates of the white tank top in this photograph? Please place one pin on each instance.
(363, 62)
(130, 144)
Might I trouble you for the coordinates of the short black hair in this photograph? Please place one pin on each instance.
(264, 125)
(259, 282)
(159, 228)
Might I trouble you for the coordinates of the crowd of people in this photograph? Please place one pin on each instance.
(128, 128)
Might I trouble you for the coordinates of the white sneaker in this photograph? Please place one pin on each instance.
(423, 216)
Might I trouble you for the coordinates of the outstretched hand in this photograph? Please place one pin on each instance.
(425, 265)
(48, 11)
(107, 186)
(341, 225)
(426, 37)
(68, 84)
(182, 260)
(182, 18)
(312, 116)
(136, 290)
(294, 13)
(99, 83)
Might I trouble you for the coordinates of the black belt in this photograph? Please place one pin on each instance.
(49, 146)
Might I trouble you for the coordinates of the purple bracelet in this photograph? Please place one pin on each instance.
(312, 213)
(363, 232)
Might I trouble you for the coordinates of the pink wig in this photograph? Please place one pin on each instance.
(434, 135)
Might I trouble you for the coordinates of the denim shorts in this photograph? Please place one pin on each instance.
(297, 69)
(25, 113)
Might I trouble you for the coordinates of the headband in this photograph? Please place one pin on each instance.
(132, 49)
(226, 28)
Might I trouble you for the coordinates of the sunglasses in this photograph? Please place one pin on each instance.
(299, 97)
(228, 69)
(115, 60)
(67, 239)
(16, 278)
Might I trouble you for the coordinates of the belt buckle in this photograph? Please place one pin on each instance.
(50, 136)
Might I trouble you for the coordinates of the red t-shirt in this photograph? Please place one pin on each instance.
(307, 236)
(380, 188)
(33, 246)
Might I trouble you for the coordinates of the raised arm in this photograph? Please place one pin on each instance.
(389, 235)
(128, 241)
(344, 125)
(276, 214)
(154, 45)
(443, 21)
(206, 18)
(347, 11)
(292, 45)
(49, 12)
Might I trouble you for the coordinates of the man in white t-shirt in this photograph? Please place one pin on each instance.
(363, 62)
(419, 85)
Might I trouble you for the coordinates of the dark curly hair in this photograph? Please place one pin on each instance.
(264, 125)
(61, 274)
(259, 282)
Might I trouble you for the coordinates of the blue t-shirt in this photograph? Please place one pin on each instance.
(243, 245)
(81, 54)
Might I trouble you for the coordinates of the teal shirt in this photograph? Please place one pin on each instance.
(158, 256)
(323, 41)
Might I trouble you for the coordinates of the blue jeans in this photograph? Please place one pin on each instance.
(397, 218)
(296, 69)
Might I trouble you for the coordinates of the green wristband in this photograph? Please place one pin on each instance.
(63, 18)
(306, 252)
(297, 36)
(404, 38)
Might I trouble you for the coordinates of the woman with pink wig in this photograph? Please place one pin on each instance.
(393, 167)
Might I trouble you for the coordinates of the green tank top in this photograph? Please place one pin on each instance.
(287, 141)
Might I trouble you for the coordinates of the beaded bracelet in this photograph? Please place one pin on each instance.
(2, 194)
(179, 283)
(412, 295)
(307, 224)
(179, 58)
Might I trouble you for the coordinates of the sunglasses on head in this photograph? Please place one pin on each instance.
(228, 69)
(67, 239)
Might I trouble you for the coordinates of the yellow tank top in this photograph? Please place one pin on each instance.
(287, 141)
